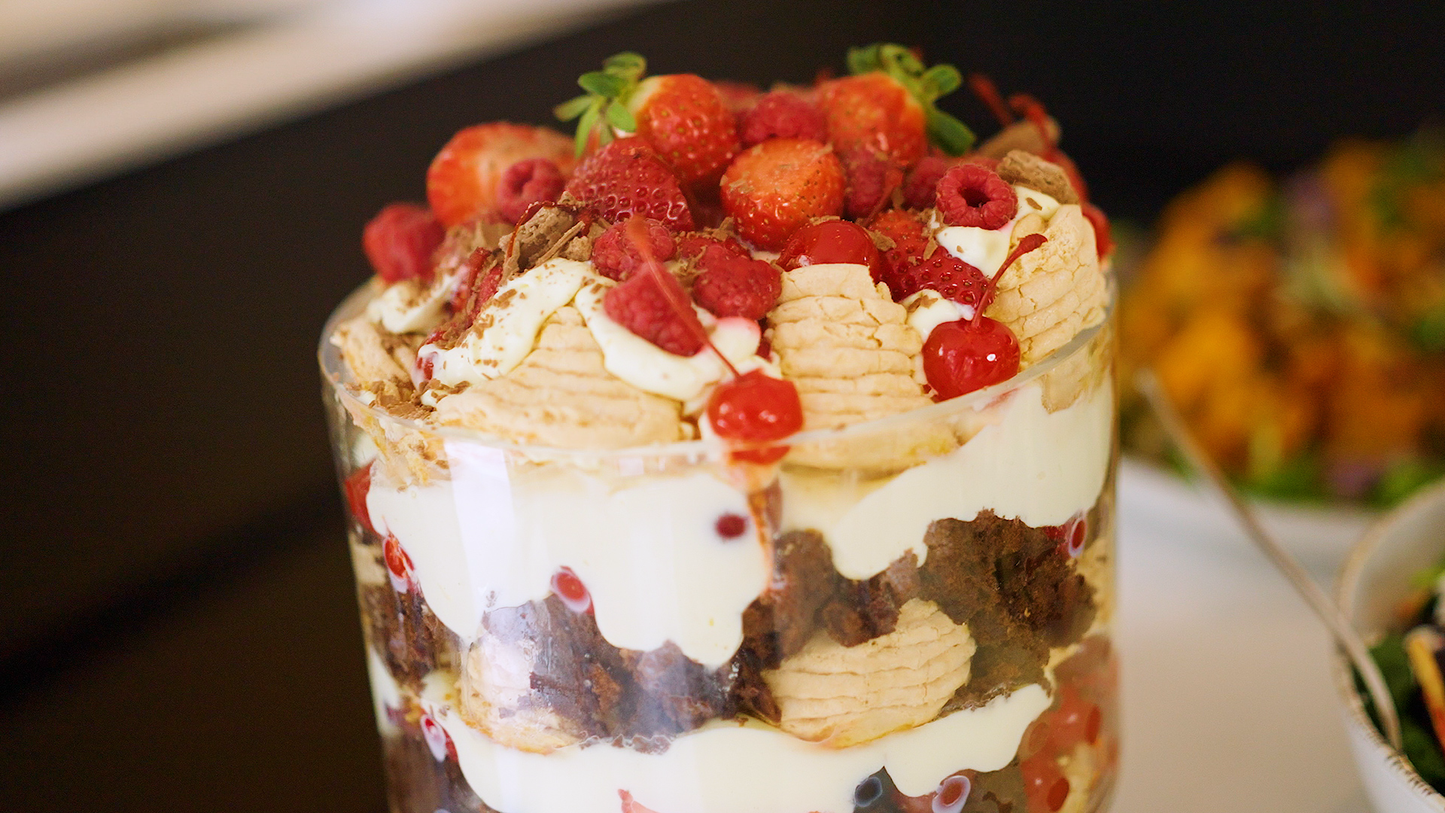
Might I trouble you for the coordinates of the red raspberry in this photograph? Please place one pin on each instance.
(972, 195)
(922, 182)
(628, 177)
(730, 285)
(909, 243)
(615, 257)
(400, 241)
(692, 245)
(782, 114)
(871, 182)
(642, 306)
(478, 283)
(530, 181)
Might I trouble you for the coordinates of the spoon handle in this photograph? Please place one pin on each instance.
(1344, 634)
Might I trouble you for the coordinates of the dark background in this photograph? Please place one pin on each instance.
(177, 628)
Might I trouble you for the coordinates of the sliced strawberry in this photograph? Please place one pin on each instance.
(887, 107)
(400, 242)
(774, 188)
(683, 116)
(730, 285)
(642, 306)
(628, 177)
(946, 274)
(464, 180)
(688, 122)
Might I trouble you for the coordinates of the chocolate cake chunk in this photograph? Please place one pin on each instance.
(410, 639)
(675, 693)
(419, 783)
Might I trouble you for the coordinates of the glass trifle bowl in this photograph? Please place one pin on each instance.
(911, 614)
(767, 470)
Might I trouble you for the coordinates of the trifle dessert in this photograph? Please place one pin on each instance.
(750, 451)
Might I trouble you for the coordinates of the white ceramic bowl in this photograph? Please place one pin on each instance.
(1374, 579)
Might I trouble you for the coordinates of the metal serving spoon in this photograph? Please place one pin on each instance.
(1345, 635)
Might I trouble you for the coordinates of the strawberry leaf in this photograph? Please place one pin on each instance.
(586, 126)
(572, 108)
(621, 118)
(948, 132)
(940, 80)
(602, 84)
(626, 65)
(865, 59)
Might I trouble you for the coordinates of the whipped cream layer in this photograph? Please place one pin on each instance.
(1036, 466)
(647, 547)
(728, 767)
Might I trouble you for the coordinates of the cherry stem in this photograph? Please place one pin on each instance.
(636, 231)
(987, 92)
(1028, 243)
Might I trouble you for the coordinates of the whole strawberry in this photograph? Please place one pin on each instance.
(628, 177)
(464, 181)
(774, 188)
(886, 107)
(683, 116)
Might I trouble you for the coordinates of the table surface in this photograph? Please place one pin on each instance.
(1228, 702)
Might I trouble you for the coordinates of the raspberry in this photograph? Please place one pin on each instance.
(628, 177)
(922, 182)
(640, 305)
(949, 276)
(400, 241)
(615, 257)
(781, 114)
(730, 285)
(972, 195)
(529, 181)
(692, 245)
(871, 182)
(909, 243)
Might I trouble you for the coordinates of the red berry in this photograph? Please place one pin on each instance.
(1076, 721)
(873, 112)
(872, 180)
(832, 241)
(571, 591)
(628, 177)
(464, 179)
(478, 284)
(731, 285)
(437, 739)
(526, 183)
(1102, 236)
(1044, 784)
(774, 188)
(400, 242)
(731, 526)
(909, 243)
(949, 276)
(754, 408)
(356, 487)
(693, 245)
(963, 356)
(615, 257)
(971, 195)
(921, 184)
(782, 114)
(952, 794)
(398, 564)
(641, 305)
(688, 122)
(738, 96)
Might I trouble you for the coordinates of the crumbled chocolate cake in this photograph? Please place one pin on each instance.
(410, 639)
(640, 699)
(418, 783)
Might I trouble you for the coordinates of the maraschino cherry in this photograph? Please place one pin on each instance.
(970, 354)
(831, 241)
